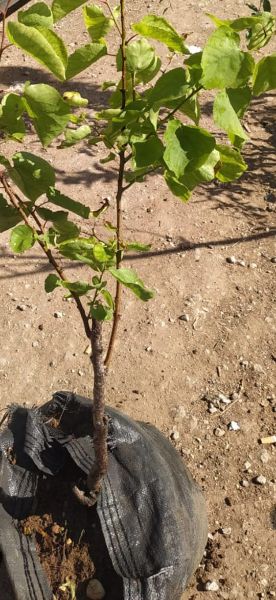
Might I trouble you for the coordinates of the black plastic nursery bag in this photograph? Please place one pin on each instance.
(152, 513)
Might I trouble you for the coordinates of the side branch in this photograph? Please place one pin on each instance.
(18, 205)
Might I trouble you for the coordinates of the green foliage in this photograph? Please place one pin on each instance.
(32, 175)
(157, 28)
(231, 164)
(226, 117)
(131, 280)
(9, 216)
(22, 238)
(145, 127)
(97, 24)
(42, 44)
(264, 76)
(49, 112)
(61, 8)
(223, 63)
(38, 15)
(11, 121)
(83, 57)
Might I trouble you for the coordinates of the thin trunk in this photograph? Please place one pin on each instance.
(94, 478)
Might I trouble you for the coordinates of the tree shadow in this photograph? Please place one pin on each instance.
(183, 245)
(10, 75)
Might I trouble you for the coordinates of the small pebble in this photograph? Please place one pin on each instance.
(35, 344)
(226, 531)
(175, 435)
(260, 480)
(184, 317)
(40, 327)
(58, 315)
(253, 265)
(21, 307)
(244, 483)
(218, 432)
(211, 586)
(212, 409)
(241, 263)
(80, 373)
(95, 590)
(273, 259)
(224, 399)
(231, 260)
(247, 466)
(233, 426)
(265, 456)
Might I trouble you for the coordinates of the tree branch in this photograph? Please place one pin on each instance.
(120, 191)
(19, 206)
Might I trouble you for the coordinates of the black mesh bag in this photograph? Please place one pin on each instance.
(152, 513)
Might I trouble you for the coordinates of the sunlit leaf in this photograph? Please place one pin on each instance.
(159, 29)
(130, 279)
(22, 238)
(42, 44)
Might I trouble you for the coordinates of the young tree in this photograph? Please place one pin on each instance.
(150, 123)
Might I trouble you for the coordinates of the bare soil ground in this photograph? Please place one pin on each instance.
(167, 370)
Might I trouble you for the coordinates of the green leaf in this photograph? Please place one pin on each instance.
(264, 76)
(226, 118)
(266, 5)
(42, 44)
(205, 173)
(81, 249)
(38, 15)
(49, 215)
(194, 68)
(51, 283)
(32, 174)
(102, 253)
(96, 22)
(73, 136)
(190, 108)
(100, 312)
(261, 32)
(148, 153)
(231, 165)
(170, 86)
(110, 157)
(149, 73)
(9, 216)
(75, 99)
(223, 63)
(11, 122)
(187, 147)
(22, 238)
(240, 99)
(137, 174)
(49, 112)
(65, 202)
(62, 231)
(138, 247)
(108, 298)
(80, 288)
(130, 279)
(139, 55)
(61, 8)
(177, 188)
(84, 57)
(159, 29)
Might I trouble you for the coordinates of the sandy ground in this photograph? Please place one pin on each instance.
(168, 370)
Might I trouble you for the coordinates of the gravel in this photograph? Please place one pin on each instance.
(211, 586)
(260, 480)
